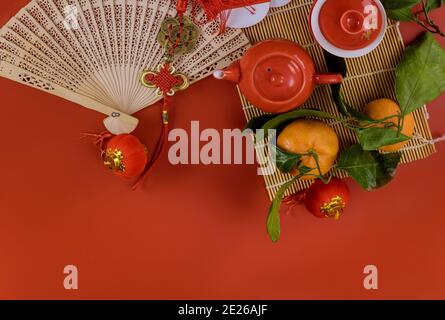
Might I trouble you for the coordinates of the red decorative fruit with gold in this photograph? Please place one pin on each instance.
(327, 200)
(126, 156)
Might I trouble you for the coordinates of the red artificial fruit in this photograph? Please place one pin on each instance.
(327, 200)
(322, 200)
(126, 156)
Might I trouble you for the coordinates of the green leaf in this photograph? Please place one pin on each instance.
(273, 219)
(304, 170)
(370, 169)
(434, 4)
(284, 118)
(335, 64)
(400, 10)
(361, 166)
(399, 4)
(258, 122)
(403, 14)
(337, 95)
(420, 76)
(387, 167)
(285, 161)
(338, 65)
(376, 137)
(346, 109)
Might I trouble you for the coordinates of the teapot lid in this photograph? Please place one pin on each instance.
(351, 24)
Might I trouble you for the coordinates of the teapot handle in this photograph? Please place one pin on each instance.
(328, 78)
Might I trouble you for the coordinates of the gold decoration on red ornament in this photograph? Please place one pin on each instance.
(114, 160)
(334, 208)
(126, 156)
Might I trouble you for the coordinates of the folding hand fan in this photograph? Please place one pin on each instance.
(93, 52)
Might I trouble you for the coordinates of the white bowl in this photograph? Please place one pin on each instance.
(325, 44)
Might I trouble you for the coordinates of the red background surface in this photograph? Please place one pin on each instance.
(196, 231)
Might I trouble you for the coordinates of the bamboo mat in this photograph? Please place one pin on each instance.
(369, 78)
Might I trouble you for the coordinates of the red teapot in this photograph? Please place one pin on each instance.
(276, 75)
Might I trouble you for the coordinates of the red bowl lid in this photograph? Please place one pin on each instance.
(351, 24)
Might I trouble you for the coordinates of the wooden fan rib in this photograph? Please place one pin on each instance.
(102, 31)
(28, 52)
(53, 37)
(30, 78)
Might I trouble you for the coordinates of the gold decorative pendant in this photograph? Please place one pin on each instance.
(172, 29)
(177, 36)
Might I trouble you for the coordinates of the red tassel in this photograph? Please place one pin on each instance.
(164, 81)
(214, 9)
(181, 6)
(160, 146)
(224, 17)
(100, 140)
(294, 200)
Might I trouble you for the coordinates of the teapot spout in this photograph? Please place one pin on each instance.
(231, 73)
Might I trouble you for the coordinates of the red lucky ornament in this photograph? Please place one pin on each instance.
(322, 200)
(126, 156)
(177, 35)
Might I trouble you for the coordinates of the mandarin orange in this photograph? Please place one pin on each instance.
(303, 136)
